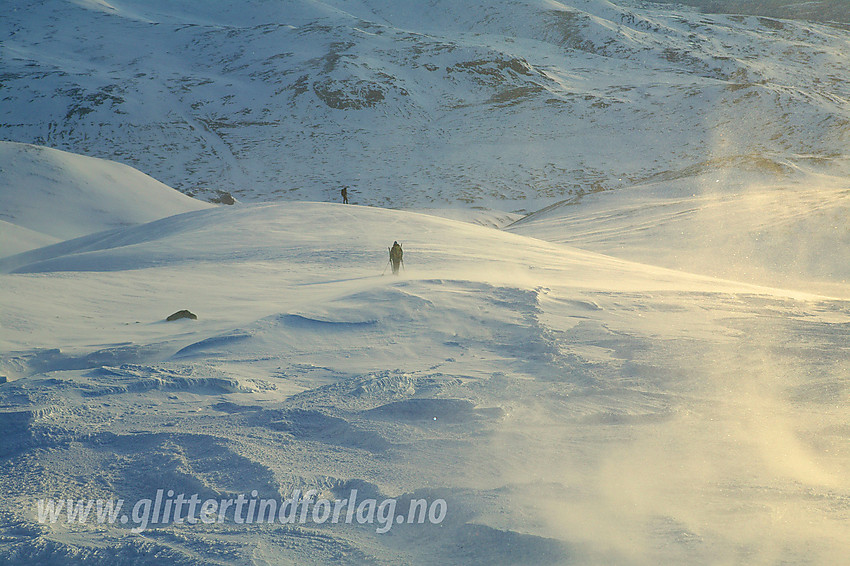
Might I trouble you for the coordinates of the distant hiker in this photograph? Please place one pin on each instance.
(344, 193)
(396, 254)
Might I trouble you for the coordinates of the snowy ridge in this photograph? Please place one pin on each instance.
(51, 195)
(569, 407)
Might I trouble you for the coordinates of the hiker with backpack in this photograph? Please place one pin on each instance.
(396, 257)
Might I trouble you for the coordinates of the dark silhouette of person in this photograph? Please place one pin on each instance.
(344, 193)
(396, 255)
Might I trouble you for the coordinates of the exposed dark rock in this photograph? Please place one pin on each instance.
(223, 198)
(182, 314)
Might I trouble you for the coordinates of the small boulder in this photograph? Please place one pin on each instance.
(223, 198)
(182, 314)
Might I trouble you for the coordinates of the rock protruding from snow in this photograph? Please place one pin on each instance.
(182, 314)
(224, 198)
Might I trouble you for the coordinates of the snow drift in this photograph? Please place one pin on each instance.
(51, 195)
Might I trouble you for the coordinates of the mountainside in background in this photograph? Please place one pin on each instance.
(831, 11)
(510, 105)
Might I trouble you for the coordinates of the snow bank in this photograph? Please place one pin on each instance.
(51, 195)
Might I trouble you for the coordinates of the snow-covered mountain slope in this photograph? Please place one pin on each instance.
(51, 195)
(510, 105)
(569, 407)
(832, 11)
(789, 231)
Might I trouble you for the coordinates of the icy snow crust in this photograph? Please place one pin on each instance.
(570, 407)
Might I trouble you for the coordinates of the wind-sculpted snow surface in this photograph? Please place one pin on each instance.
(506, 104)
(566, 407)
